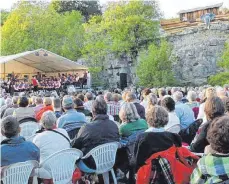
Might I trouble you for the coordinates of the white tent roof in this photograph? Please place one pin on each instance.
(44, 61)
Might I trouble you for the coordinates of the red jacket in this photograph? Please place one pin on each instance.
(180, 168)
(44, 109)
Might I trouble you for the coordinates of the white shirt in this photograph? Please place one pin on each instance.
(173, 120)
(51, 142)
(202, 114)
(88, 105)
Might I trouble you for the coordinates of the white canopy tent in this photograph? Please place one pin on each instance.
(41, 60)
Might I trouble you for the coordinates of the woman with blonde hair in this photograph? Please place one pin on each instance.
(131, 121)
(209, 92)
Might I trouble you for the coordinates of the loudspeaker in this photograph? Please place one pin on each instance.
(123, 80)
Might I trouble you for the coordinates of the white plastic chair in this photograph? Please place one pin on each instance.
(18, 173)
(174, 129)
(28, 129)
(104, 157)
(61, 165)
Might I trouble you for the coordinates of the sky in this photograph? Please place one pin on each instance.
(169, 8)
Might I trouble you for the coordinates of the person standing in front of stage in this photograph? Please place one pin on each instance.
(35, 83)
(88, 79)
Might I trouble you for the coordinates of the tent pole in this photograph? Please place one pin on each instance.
(4, 71)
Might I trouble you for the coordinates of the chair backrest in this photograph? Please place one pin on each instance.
(174, 129)
(18, 173)
(73, 128)
(28, 129)
(104, 156)
(61, 165)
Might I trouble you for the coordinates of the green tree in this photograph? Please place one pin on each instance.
(4, 16)
(87, 8)
(155, 66)
(124, 28)
(223, 77)
(36, 25)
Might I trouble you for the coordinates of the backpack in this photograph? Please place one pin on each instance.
(181, 164)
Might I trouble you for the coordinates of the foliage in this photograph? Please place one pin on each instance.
(154, 68)
(86, 8)
(4, 16)
(219, 79)
(36, 25)
(123, 29)
(223, 77)
(95, 75)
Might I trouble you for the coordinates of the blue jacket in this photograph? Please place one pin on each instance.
(185, 114)
(71, 116)
(16, 149)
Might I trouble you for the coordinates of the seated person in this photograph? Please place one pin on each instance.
(78, 106)
(213, 108)
(51, 140)
(155, 139)
(214, 167)
(131, 121)
(47, 107)
(169, 104)
(23, 111)
(100, 131)
(15, 149)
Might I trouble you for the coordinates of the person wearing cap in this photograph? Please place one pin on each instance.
(15, 148)
(71, 115)
(47, 107)
(10, 110)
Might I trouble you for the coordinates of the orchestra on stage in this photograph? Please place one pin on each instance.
(42, 82)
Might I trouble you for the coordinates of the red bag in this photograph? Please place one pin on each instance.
(180, 167)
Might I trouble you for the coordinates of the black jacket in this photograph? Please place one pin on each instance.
(100, 131)
(140, 109)
(201, 140)
(149, 143)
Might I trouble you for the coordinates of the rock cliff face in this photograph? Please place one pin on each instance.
(196, 52)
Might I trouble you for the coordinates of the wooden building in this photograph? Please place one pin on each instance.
(191, 15)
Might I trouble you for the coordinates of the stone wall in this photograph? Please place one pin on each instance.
(196, 52)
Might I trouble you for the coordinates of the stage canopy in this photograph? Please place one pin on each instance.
(41, 60)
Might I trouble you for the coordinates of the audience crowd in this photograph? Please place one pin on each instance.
(146, 123)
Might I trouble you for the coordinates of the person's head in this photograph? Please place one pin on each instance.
(8, 102)
(220, 92)
(191, 96)
(210, 92)
(161, 92)
(226, 87)
(108, 96)
(99, 106)
(80, 96)
(124, 95)
(56, 103)
(130, 97)
(168, 103)
(157, 116)
(33, 99)
(152, 99)
(146, 92)
(15, 100)
(218, 134)
(77, 103)
(38, 101)
(23, 101)
(47, 101)
(88, 96)
(226, 105)
(174, 89)
(177, 96)
(213, 108)
(48, 120)
(67, 103)
(115, 97)
(128, 112)
(10, 127)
